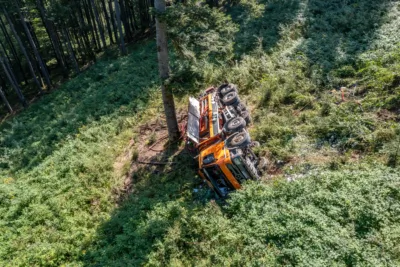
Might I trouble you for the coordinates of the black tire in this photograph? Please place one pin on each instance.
(229, 88)
(241, 107)
(230, 98)
(241, 139)
(255, 144)
(234, 125)
(246, 116)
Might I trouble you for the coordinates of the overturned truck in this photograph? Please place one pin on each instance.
(217, 137)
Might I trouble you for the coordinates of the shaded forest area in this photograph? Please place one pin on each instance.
(43, 42)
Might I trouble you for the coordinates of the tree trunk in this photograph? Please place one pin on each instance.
(12, 82)
(9, 68)
(107, 18)
(74, 45)
(5, 50)
(99, 24)
(121, 35)
(112, 16)
(83, 33)
(135, 24)
(122, 12)
(23, 50)
(50, 32)
(79, 43)
(3, 97)
(12, 48)
(90, 11)
(130, 16)
(42, 66)
(93, 29)
(60, 44)
(153, 17)
(163, 66)
(33, 34)
(142, 11)
(71, 51)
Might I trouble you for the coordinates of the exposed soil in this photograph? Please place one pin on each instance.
(149, 151)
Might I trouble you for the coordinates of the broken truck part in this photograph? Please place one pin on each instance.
(217, 137)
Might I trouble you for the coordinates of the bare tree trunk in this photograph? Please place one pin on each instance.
(112, 16)
(93, 23)
(60, 44)
(79, 42)
(23, 50)
(121, 35)
(99, 24)
(135, 24)
(71, 51)
(163, 66)
(50, 32)
(42, 66)
(95, 37)
(3, 97)
(9, 68)
(83, 33)
(9, 59)
(33, 34)
(129, 16)
(123, 15)
(13, 51)
(5, 51)
(107, 18)
(9, 75)
(74, 45)
(39, 59)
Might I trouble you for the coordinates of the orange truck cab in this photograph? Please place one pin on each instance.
(218, 138)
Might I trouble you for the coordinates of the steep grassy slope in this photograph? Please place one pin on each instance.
(57, 159)
(330, 197)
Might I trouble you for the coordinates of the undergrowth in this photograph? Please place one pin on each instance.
(322, 81)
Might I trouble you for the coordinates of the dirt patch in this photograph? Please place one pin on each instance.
(387, 115)
(148, 151)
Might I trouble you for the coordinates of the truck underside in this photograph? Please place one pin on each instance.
(218, 138)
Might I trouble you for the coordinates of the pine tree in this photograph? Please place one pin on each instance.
(163, 66)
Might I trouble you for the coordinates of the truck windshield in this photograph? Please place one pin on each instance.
(217, 177)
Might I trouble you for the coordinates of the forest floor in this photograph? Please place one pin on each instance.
(74, 193)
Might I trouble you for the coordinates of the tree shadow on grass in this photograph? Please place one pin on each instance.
(110, 89)
(160, 195)
(261, 23)
(336, 32)
(331, 33)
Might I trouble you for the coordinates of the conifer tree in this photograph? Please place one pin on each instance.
(163, 66)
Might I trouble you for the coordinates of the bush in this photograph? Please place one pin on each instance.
(345, 128)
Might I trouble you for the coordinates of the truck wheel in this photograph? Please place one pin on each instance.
(246, 116)
(241, 107)
(240, 140)
(230, 98)
(255, 144)
(234, 125)
(228, 88)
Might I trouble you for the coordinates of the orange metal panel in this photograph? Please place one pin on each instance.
(222, 156)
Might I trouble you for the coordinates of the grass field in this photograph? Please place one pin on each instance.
(332, 190)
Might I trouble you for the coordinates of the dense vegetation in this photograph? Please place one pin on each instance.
(44, 42)
(332, 190)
